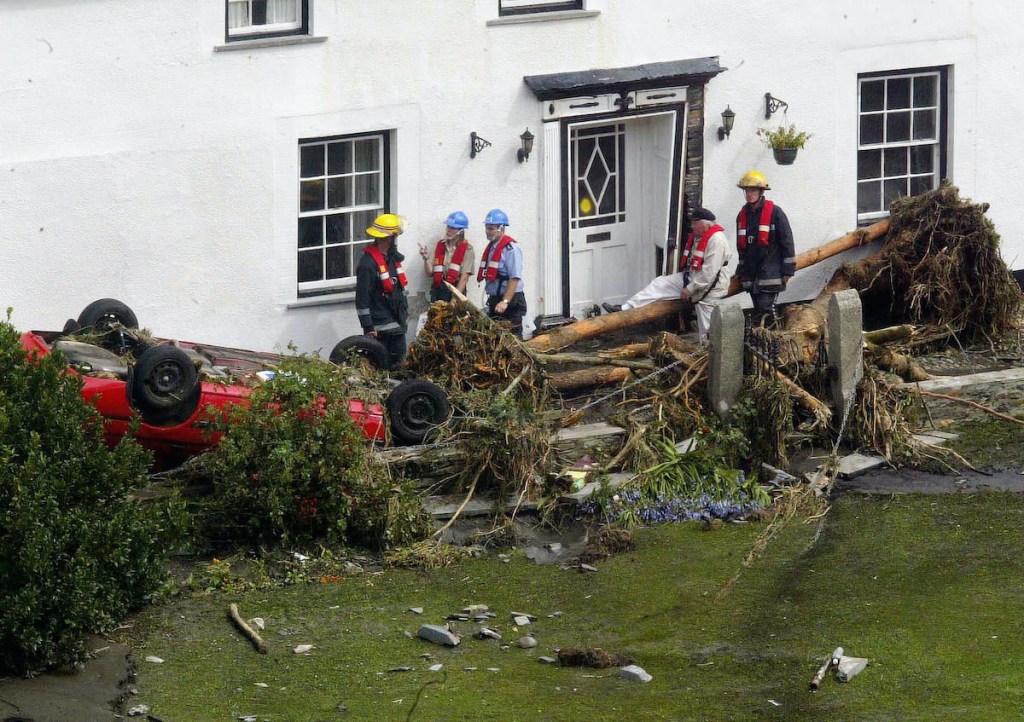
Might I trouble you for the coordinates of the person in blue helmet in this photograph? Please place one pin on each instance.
(452, 260)
(501, 271)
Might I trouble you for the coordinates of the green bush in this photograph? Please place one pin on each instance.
(294, 469)
(75, 554)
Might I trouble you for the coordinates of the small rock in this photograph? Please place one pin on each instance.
(400, 669)
(555, 615)
(302, 648)
(634, 673)
(261, 684)
(435, 667)
(258, 623)
(493, 669)
(154, 660)
(426, 655)
(469, 669)
(475, 609)
(247, 718)
(138, 710)
(299, 557)
(416, 610)
(587, 568)
(438, 635)
(287, 632)
(527, 642)
(553, 546)
(488, 633)
(547, 660)
(529, 617)
(407, 633)
(457, 618)
(506, 558)
(352, 568)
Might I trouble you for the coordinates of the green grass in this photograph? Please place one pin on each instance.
(928, 588)
(991, 444)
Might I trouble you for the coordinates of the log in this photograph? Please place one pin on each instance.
(893, 333)
(630, 350)
(903, 366)
(560, 338)
(589, 378)
(248, 631)
(592, 360)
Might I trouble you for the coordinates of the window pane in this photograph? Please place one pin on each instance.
(259, 12)
(311, 196)
(894, 188)
(869, 197)
(924, 91)
(339, 228)
(358, 249)
(312, 161)
(282, 11)
(922, 159)
(367, 189)
(897, 127)
(899, 93)
(872, 95)
(311, 232)
(311, 266)
(367, 155)
(339, 262)
(869, 164)
(584, 149)
(870, 129)
(339, 192)
(924, 125)
(895, 161)
(362, 220)
(238, 13)
(921, 184)
(339, 157)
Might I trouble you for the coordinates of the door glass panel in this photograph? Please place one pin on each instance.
(598, 182)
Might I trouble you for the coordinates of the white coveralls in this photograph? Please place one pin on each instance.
(706, 286)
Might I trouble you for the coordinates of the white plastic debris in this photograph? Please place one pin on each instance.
(302, 648)
(154, 660)
(138, 710)
(850, 667)
(258, 623)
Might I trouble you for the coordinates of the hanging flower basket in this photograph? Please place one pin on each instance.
(784, 141)
(785, 156)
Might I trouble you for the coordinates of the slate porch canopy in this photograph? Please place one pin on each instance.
(667, 74)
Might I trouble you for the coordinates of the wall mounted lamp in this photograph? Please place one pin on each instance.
(772, 104)
(476, 144)
(523, 154)
(728, 118)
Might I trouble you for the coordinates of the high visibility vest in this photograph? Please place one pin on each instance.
(490, 260)
(382, 269)
(763, 227)
(454, 268)
(693, 258)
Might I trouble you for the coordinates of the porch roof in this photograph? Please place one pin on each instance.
(609, 80)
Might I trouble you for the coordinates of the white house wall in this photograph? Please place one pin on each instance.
(136, 162)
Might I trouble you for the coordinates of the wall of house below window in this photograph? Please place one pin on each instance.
(138, 163)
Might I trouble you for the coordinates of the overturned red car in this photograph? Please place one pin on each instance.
(171, 386)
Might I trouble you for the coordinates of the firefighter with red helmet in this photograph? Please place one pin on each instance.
(764, 239)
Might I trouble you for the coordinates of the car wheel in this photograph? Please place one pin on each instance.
(164, 379)
(416, 408)
(102, 314)
(366, 347)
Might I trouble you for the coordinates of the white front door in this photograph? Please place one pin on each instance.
(618, 206)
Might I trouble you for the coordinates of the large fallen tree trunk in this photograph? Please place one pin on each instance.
(560, 338)
(589, 378)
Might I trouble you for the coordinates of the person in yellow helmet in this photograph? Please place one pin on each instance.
(764, 239)
(381, 303)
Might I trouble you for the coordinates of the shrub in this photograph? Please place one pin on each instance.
(294, 469)
(75, 554)
(785, 136)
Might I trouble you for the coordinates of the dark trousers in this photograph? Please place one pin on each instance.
(513, 314)
(764, 308)
(396, 346)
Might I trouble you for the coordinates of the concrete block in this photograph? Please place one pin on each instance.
(856, 464)
(725, 357)
(845, 346)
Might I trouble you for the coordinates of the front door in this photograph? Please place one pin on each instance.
(618, 206)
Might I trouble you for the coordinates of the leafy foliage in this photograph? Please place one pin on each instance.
(75, 554)
(785, 136)
(293, 468)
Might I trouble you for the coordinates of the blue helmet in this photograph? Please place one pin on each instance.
(457, 220)
(497, 217)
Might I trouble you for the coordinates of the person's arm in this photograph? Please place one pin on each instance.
(515, 272)
(714, 256)
(428, 266)
(364, 282)
(468, 269)
(787, 248)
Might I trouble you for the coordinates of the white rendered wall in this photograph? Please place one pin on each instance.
(136, 162)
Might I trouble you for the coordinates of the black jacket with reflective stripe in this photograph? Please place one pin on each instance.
(761, 268)
(386, 313)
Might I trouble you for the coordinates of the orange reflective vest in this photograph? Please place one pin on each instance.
(382, 269)
(490, 260)
(454, 268)
(693, 258)
(763, 226)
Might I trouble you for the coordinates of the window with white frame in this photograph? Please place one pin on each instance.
(248, 19)
(901, 137)
(518, 7)
(343, 186)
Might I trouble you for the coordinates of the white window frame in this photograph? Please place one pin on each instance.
(886, 148)
(523, 7)
(359, 238)
(250, 32)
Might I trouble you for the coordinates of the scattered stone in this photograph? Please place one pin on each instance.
(547, 660)
(587, 568)
(493, 669)
(258, 622)
(527, 642)
(521, 621)
(553, 546)
(407, 633)
(138, 710)
(529, 617)
(342, 708)
(261, 684)
(504, 558)
(555, 615)
(287, 632)
(438, 635)
(475, 609)
(416, 610)
(303, 648)
(299, 557)
(635, 674)
(426, 655)
(469, 669)
(247, 718)
(353, 568)
(488, 633)
(504, 647)
(435, 667)
(154, 660)
(457, 618)
(400, 669)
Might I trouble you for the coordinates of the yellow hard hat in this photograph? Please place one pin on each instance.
(387, 224)
(754, 179)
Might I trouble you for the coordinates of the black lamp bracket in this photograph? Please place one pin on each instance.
(772, 104)
(476, 144)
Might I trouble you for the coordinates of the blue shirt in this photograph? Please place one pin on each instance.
(510, 265)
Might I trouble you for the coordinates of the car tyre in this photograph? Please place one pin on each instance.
(102, 314)
(416, 408)
(164, 382)
(366, 347)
